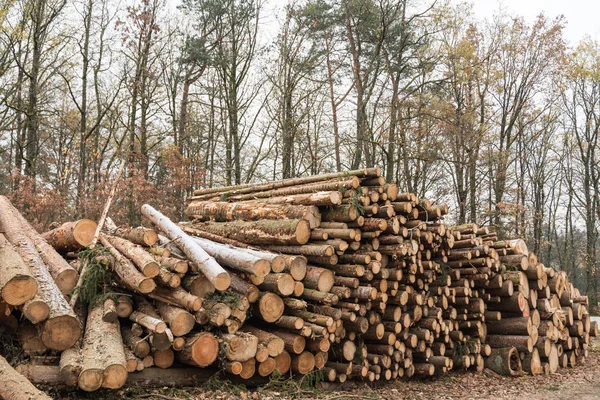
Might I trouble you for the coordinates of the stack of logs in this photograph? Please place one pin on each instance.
(340, 273)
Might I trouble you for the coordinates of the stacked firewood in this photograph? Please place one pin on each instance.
(340, 273)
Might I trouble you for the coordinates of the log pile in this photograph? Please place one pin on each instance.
(339, 273)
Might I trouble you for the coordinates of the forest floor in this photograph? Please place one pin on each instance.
(580, 383)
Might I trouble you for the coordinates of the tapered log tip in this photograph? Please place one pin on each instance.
(263, 267)
(222, 281)
(90, 380)
(61, 333)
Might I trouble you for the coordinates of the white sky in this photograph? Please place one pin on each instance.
(583, 16)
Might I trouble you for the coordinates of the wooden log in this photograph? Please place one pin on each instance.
(198, 285)
(266, 189)
(17, 285)
(209, 267)
(283, 362)
(248, 369)
(305, 250)
(532, 363)
(504, 361)
(140, 235)
(281, 284)
(246, 288)
(103, 357)
(511, 326)
(177, 297)
(135, 343)
(318, 278)
(273, 343)
(163, 358)
(236, 258)
(61, 329)
(241, 346)
(15, 386)
(61, 271)
(303, 363)
(252, 211)
(201, 349)
(179, 320)
(140, 257)
(270, 307)
(293, 343)
(267, 367)
(262, 232)
(71, 236)
(521, 343)
(127, 272)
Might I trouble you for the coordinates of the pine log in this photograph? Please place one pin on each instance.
(504, 361)
(241, 346)
(235, 257)
(246, 288)
(177, 297)
(140, 257)
(15, 386)
(209, 267)
(262, 232)
(179, 320)
(303, 363)
(199, 285)
(71, 236)
(61, 329)
(270, 307)
(273, 343)
(17, 285)
(127, 272)
(61, 271)
(201, 349)
(140, 235)
(252, 211)
(103, 357)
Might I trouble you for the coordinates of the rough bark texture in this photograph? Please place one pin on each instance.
(17, 285)
(263, 232)
(71, 236)
(209, 267)
(15, 386)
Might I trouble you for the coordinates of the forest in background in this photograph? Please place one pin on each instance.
(499, 118)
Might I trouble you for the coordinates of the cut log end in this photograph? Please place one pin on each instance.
(222, 281)
(19, 290)
(61, 333)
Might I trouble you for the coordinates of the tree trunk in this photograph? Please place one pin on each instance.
(263, 232)
(201, 350)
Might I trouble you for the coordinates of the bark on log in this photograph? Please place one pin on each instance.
(61, 330)
(71, 236)
(140, 235)
(17, 285)
(235, 258)
(504, 361)
(63, 274)
(179, 320)
(127, 272)
(17, 387)
(103, 357)
(201, 349)
(241, 346)
(263, 232)
(252, 211)
(209, 267)
(140, 257)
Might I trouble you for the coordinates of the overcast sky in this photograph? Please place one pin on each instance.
(583, 16)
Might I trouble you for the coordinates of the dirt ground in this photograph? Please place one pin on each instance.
(579, 383)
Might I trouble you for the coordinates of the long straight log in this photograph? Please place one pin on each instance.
(127, 272)
(262, 232)
(235, 257)
(209, 267)
(61, 329)
(251, 188)
(252, 211)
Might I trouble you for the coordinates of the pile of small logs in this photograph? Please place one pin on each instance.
(339, 273)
